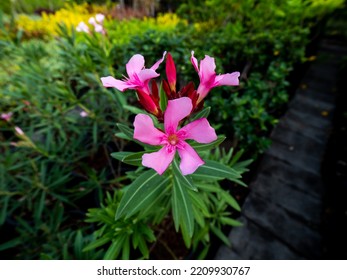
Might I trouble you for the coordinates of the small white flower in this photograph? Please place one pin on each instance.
(82, 27)
(84, 114)
(100, 18)
(19, 130)
(99, 28)
(92, 21)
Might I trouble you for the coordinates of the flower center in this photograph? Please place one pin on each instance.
(173, 139)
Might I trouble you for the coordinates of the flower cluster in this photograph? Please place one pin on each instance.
(96, 22)
(181, 104)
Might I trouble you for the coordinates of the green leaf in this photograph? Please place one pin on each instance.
(236, 157)
(134, 110)
(182, 207)
(4, 209)
(163, 98)
(126, 249)
(10, 244)
(97, 243)
(220, 235)
(40, 206)
(78, 244)
(185, 180)
(129, 157)
(215, 170)
(95, 133)
(199, 203)
(143, 247)
(230, 222)
(128, 132)
(141, 193)
(123, 136)
(210, 188)
(202, 255)
(114, 250)
(203, 147)
(202, 114)
(230, 200)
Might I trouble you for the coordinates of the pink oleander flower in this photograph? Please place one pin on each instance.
(208, 77)
(82, 27)
(173, 139)
(139, 76)
(6, 116)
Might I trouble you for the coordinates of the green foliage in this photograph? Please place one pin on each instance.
(23, 6)
(62, 157)
(199, 205)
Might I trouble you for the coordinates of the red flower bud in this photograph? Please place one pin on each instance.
(171, 72)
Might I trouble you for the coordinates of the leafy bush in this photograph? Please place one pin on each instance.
(58, 161)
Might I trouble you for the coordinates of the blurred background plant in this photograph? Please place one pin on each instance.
(58, 165)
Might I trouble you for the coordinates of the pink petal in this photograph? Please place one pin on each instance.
(156, 65)
(199, 130)
(228, 79)
(112, 82)
(160, 160)
(147, 74)
(194, 62)
(177, 110)
(146, 132)
(135, 65)
(190, 160)
(207, 68)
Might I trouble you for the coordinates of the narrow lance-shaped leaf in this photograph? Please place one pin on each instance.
(140, 193)
(213, 169)
(163, 99)
(129, 157)
(203, 147)
(202, 114)
(181, 207)
(185, 180)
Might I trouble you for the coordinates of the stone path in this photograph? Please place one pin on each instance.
(282, 213)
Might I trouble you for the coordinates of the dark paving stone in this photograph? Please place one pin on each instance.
(251, 242)
(298, 143)
(301, 128)
(316, 121)
(301, 204)
(297, 156)
(300, 179)
(321, 96)
(333, 48)
(324, 72)
(298, 236)
(312, 106)
(312, 102)
(319, 85)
